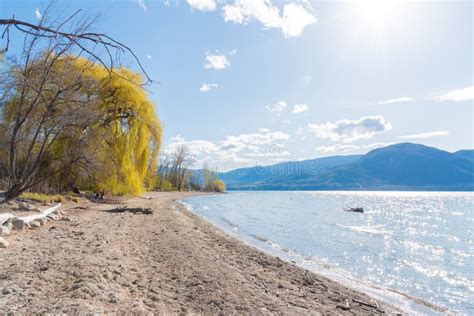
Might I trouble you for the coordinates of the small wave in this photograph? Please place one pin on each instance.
(275, 245)
(373, 230)
(188, 206)
(260, 238)
(228, 222)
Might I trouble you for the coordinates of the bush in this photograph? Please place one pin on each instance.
(218, 186)
(164, 185)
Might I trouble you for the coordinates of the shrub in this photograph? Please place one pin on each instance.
(218, 186)
(164, 185)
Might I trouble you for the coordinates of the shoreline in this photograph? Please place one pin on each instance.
(399, 301)
(171, 261)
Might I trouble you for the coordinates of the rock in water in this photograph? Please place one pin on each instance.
(4, 243)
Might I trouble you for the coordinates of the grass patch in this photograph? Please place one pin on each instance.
(43, 198)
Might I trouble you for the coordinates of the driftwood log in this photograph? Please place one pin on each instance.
(50, 213)
(5, 217)
(134, 210)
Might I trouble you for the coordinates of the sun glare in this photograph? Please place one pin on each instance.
(377, 13)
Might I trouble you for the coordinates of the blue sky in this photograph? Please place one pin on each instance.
(246, 82)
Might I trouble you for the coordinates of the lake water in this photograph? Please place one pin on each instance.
(418, 243)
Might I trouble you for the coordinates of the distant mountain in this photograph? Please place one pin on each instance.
(283, 172)
(403, 166)
(467, 154)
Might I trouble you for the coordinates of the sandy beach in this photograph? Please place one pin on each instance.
(167, 262)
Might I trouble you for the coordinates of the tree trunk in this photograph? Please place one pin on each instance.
(13, 192)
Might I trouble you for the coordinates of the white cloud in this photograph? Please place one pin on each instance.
(208, 87)
(342, 148)
(404, 99)
(203, 5)
(142, 5)
(38, 14)
(244, 148)
(279, 107)
(148, 56)
(351, 130)
(295, 17)
(425, 135)
(299, 108)
(257, 138)
(457, 95)
(218, 61)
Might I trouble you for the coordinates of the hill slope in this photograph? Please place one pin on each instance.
(466, 153)
(403, 166)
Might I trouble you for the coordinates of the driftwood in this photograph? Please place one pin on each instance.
(5, 217)
(375, 305)
(134, 210)
(21, 222)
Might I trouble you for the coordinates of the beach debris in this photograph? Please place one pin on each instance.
(354, 209)
(22, 222)
(23, 206)
(344, 307)
(4, 231)
(5, 217)
(376, 306)
(4, 243)
(134, 210)
(6, 291)
(35, 224)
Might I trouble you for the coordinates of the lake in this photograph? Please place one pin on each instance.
(418, 243)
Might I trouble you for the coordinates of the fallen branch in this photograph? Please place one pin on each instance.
(134, 210)
(21, 222)
(365, 304)
(5, 218)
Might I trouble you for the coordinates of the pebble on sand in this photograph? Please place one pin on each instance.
(3, 243)
(4, 231)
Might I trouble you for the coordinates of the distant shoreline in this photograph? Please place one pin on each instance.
(351, 190)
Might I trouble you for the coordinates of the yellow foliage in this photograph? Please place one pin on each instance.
(133, 134)
(218, 186)
(130, 132)
(122, 139)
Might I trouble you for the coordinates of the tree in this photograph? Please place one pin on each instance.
(180, 159)
(87, 120)
(68, 118)
(211, 182)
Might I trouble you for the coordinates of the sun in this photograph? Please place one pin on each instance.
(377, 14)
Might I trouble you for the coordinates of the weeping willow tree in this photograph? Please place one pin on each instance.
(132, 136)
(69, 114)
(89, 128)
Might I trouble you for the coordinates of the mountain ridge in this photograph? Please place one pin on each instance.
(403, 166)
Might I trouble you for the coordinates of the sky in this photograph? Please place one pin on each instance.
(247, 82)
